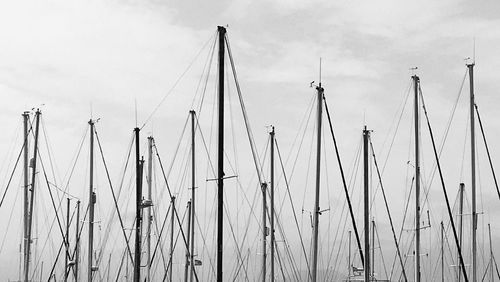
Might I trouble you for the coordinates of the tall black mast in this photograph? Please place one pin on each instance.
(67, 257)
(32, 195)
(26, 119)
(138, 207)
(272, 204)
(442, 252)
(188, 256)
(320, 91)
(193, 181)
(92, 200)
(473, 171)
(149, 217)
(220, 154)
(77, 239)
(170, 262)
(460, 224)
(416, 82)
(264, 231)
(366, 195)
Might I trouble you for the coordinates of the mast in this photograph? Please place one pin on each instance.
(126, 269)
(272, 203)
(149, 217)
(26, 118)
(416, 82)
(32, 195)
(366, 195)
(109, 267)
(170, 264)
(138, 206)
(193, 181)
(349, 259)
(77, 239)
(491, 255)
(220, 155)
(92, 200)
(186, 268)
(442, 252)
(372, 268)
(264, 230)
(66, 270)
(320, 91)
(460, 222)
(473, 172)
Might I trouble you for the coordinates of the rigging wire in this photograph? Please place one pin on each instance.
(464, 150)
(125, 251)
(8, 222)
(68, 175)
(154, 212)
(176, 82)
(174, 158)
(205, 245)
(120, 189)
(49, 153)
(208, 62)
(387, 209)
(346, 191)
(7, 159)
(381, 253)
(176, 240)
(398, 115)
(114, 197)
(496, 266)
(156, 215)
(159, 235)
(15, 166)
(245, 115)
(402, 225)
(352, 183)
(487, 150)
(293, 209)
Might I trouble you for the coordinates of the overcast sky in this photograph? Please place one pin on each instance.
(104, 57)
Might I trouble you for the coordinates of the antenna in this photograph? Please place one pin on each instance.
(135, 101)
(152, 126)
(319, 71)
(474, 51)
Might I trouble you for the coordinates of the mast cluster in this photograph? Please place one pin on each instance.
(271, 264)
